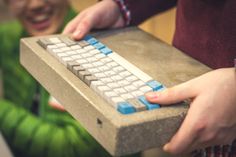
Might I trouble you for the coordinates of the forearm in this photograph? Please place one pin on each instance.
(143, 9)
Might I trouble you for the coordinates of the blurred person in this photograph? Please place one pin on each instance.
(205, 30)
(31, 126)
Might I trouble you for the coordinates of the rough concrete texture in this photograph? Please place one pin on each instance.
(119, 134)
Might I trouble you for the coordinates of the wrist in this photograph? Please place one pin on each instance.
(125, 12)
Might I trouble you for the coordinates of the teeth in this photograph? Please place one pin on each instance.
(40, 18)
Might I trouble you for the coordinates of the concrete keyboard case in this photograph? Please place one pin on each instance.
(119, 134)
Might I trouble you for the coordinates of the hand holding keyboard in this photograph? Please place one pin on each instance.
(105, 92)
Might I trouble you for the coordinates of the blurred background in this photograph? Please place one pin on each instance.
(161, 26)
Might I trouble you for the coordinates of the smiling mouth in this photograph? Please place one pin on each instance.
(40, 21)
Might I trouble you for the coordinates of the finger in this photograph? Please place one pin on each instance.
(173, 95)
(186, 136)
(71, 26)
(85, 25)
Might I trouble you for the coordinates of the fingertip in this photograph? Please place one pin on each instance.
(77, 34)
(152, 96)
(170, 149)
(166, 147)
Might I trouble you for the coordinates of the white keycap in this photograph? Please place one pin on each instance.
(102, 89)
(97, 64)
(123, 83)
(60, 55)
(130, 88)
(112, 64)
(110, 94)
(125, 74)
(87, 65)
(60, 45)
(65, 49)
(100, 56)
(116, 78)
(55, 40)
(127, 65)
(116, 100)
(92, 59)
(75, 47)
(127, 96)
(93, 70)
(64, 60)
(145, 89)
(95, 84)
(106, 60)
(118, 69)
(55, 51)
(106, 80)
(131, 78)
(81, 51)
(109, 73)
(120, 90)
(86, 55)
(138, 83)
(113, 85)
(103, 68)
(89, 47)
(81, 61)
(71, 53)
(75, 57)
(100, 75)
(137, 93)
(50, 47)
(94, 52)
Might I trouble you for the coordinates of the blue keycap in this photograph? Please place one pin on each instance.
(125, 108)
(99, 45)
(149, 105)
(161, 89)
(106, 51)
(92, 41)
(87, 37)
(154, 85)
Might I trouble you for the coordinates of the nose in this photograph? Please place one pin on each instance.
(35, 4)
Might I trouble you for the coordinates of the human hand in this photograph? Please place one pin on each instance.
(55, 104)
(105, 14)
(211, 119)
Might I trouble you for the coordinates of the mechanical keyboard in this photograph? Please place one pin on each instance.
(111, 76)
(101, 81)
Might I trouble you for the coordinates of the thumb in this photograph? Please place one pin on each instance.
(173, 95)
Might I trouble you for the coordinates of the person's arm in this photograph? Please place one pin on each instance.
(110, 14)
(143, 9)
(211, 119)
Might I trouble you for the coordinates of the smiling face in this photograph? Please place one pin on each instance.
(40, 17)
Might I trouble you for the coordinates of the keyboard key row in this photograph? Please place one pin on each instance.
(112, 77)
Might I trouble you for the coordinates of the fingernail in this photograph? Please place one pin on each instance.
(77, 33)
(151, 95)
(166, 147)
